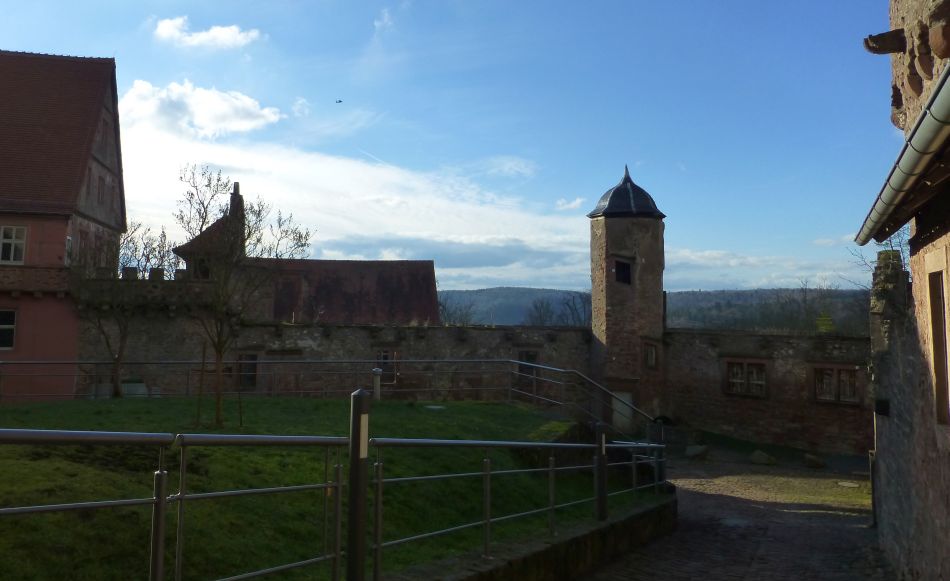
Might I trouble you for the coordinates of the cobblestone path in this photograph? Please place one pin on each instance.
(739, 522)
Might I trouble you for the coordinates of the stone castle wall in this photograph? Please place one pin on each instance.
(281, 350)
(788, 413)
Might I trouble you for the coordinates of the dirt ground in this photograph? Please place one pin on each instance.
(740, 521)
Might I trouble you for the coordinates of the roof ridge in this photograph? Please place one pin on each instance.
(56, 56)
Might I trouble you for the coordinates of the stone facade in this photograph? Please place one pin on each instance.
(909, 321)
(300, 359)
(912, 457)
(788, 411)
(918, 42)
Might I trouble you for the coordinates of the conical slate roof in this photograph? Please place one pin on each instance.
(626, 199)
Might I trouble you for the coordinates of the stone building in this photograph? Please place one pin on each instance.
(909, 321)
(805, 391)
(62, 198)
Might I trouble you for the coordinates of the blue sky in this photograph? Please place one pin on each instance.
(479, 134)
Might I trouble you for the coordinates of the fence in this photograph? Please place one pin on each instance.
(358, 486)
(437, 379)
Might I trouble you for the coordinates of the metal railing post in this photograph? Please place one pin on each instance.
(359, 468)
(156, 570)
(377, 383)
(486, 508)
(378, 524)
(337, 522)
(656, 471)
(551, 495)
(600, 472)
(633, 466)
(180, 525)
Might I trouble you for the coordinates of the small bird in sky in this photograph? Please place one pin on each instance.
(339, 100)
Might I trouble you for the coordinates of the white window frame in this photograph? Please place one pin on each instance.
(13, 242)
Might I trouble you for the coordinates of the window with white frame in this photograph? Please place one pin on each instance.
(745, 378)
(12, 244)
(837, 384)
(7, 328)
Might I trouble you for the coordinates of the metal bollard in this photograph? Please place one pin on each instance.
(377, 383)
(359, 479)
(156, 570)
(600, 472)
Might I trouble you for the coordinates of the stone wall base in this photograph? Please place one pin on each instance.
(572, 554)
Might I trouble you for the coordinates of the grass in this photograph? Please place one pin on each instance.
(234, 535)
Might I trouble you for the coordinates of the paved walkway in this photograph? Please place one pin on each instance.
(739, 522)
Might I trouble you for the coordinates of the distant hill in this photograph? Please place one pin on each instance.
(506, 305)
(808, 309)
(800, 310)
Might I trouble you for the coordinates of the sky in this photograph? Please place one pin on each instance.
(480, 134)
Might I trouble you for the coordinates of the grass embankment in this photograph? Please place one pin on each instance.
(229, 536)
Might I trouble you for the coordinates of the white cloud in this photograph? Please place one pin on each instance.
(362, 209)
(340, 197)
(509, 166)
(844, 240)
(301, 107)
(383, 22)
(194, 111)
(175, 31)
(340, 125)
(563, 204)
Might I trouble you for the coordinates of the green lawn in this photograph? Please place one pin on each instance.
(234, 535)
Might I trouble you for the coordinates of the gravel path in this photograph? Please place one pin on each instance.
(751, 523)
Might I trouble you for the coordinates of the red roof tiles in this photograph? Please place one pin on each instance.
(49, 112)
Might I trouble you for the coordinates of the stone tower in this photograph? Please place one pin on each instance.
(626, 267)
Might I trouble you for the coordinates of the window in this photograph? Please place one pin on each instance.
(7, 328)
(12, 244)
(247, 371)
(386, 360)
(938, 335)
(837, 384)
(527, 373)
(649, 355)
(745, 378)
(622, 271)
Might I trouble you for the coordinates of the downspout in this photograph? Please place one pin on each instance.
(927, 139)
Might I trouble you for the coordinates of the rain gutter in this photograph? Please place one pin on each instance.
(927, 139)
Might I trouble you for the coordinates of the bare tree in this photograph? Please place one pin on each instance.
(575, 310)
(144, 250)
(453, 311)
(899, 242)
(541, 313)
(239, 259)
(203, 200)
(109, 302)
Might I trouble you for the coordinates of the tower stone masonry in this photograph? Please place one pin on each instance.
(626, 252)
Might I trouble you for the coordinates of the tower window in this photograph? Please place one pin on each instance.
(622, 271)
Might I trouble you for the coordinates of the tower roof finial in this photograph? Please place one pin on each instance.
(626, 199)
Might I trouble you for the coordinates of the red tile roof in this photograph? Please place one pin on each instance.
(49, 112)
(369, 292)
